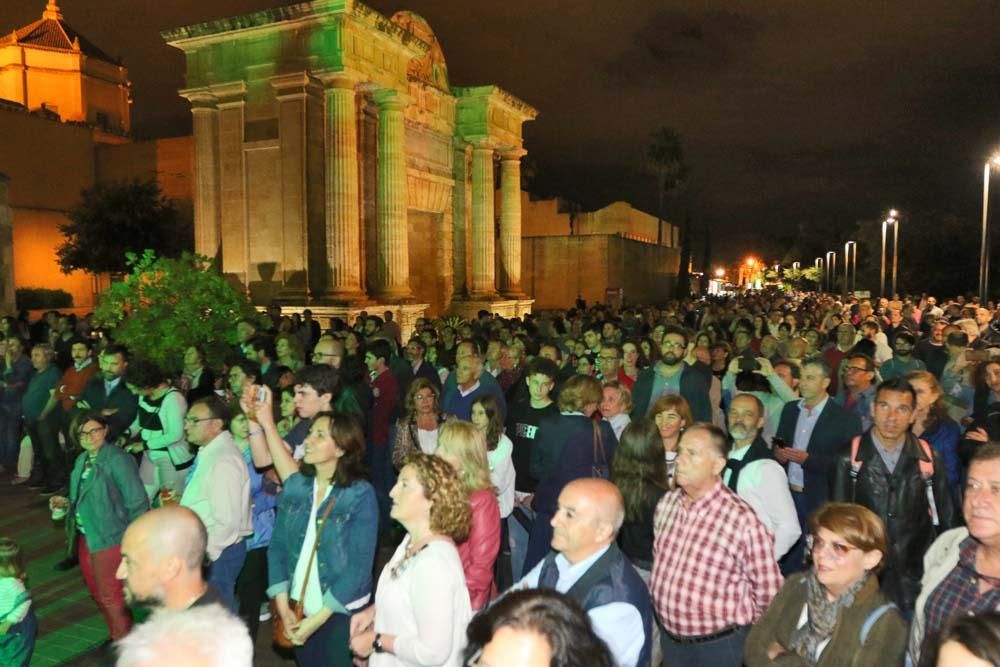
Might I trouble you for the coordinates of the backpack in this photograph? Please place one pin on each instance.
(926, 472)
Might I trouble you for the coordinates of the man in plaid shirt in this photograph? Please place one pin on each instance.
(714, 572)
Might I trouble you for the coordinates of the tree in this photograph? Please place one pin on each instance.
(666, 157)
(166, 305)
(113, 219)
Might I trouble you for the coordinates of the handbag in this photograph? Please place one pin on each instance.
(297, 606)
(600, 469)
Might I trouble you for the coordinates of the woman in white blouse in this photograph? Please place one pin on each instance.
(499, 448)
(422, 605)
(417, 430)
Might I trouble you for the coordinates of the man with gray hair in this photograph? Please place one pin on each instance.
(586, 564)
(199, 637)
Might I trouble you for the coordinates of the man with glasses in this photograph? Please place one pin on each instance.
(415, 351)
(329, 351)
(858, 389)
(218, 491)
(900, 478)
(609, 362)
(672, 376)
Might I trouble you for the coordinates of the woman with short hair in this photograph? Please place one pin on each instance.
(672, 415)
(422, 605)
(833, 614)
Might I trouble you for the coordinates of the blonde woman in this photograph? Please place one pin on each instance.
(422, 607)
(463, 445)
(288, 349)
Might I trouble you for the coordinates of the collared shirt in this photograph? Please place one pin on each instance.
(80, 365)
(764, 485)
(219, 493)
(804, 427)
(618, 423)
(465, 392)
(109, 385)
(890, 457)
(713, 563)
(958, 594)
(618, 624)
(665, 386)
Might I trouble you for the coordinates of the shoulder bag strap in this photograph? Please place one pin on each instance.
(312, 554)
(598, 445)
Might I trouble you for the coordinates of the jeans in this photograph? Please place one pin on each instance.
(98, 569)
(18, 643)
(10, 432)
(251, 589)
(518, 542)
(328, 646)
(383, 477)
(225, 569)
(723, 652)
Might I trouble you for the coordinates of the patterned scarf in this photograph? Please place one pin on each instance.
(822, 618)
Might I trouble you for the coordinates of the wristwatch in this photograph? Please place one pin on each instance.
(377, 644)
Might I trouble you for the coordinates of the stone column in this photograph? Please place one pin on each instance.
(460, 221)
(483, 280)
(343, 211)
(207, 223)
(393, 271)
(510, 224)
(232, 182)
(6, 248)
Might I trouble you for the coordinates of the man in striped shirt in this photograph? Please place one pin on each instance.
(714, 572)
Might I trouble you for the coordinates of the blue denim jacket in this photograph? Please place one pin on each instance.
(347, 544)
(264, 501)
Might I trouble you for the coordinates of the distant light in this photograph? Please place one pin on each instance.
(720, 272)
(995, 159)
(893, 213)
(751, 261)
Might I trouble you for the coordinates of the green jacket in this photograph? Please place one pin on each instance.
(111, 498)
(885, 643)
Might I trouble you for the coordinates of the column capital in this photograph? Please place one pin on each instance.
(293, 86)
(341, 79)
(230, 93)
(201, 99)
(511, 154)
(389, 99)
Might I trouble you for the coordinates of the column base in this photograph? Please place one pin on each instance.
(395, 296)
(406, 315)
(469, 308)
(342, 298)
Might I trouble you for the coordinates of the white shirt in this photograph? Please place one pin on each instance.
(219, 493)
(618, 423)
(425, 605)
(764, 486)
(313, 601)
(502, 474)
(428, 440)
(618, 624)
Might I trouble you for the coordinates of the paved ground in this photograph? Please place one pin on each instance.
(71, 628)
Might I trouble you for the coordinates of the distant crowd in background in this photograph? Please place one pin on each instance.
(765, 479)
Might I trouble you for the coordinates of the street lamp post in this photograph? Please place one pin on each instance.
(984, 254)
(848, 247)
(819, 264)
(893, 220)
(831, 269)
(795, 265)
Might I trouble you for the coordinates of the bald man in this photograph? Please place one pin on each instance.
(586, 564)
(162, 556)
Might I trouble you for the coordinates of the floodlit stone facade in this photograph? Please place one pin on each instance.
(336, 166)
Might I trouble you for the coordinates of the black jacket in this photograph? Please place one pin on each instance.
(694, 387)
(900, 500)
(835, 428)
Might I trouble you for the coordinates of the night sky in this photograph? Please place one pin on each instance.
(794, 115)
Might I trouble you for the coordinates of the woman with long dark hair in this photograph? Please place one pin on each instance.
(323, 545)
(933, 424)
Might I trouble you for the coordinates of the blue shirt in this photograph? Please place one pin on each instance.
(804, 428)
(618, 624)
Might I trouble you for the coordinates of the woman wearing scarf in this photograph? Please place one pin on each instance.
(833, 615)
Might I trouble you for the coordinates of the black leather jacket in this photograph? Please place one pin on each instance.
(900, 500)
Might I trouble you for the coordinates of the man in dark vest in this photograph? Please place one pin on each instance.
(587, 565)
(756, 477)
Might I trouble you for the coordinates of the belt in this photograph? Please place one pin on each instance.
(700, 639)
(795, 488)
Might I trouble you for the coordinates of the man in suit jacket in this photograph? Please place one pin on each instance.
(107, 392)
(415, 351)
(815, 430)
(671, 375)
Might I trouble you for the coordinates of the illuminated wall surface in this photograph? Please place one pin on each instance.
(335, 162)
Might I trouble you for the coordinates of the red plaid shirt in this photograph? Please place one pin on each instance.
(713, 563)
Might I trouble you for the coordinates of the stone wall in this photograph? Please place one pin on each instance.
(557, 269)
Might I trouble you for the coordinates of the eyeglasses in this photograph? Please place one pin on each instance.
(423, 397)
(196, 420)
(675, 345)
(324, 354)
(86, 434)
(838, 550)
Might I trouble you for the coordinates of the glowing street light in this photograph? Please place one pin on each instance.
(819, 264)
(850, 265)
(984, 255)
(893, 220)
(831, 268)
(720, 272)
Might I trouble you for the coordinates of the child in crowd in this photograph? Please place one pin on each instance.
(17, 619)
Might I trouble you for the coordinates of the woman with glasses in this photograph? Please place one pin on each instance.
(105, 496)
(417, 431)
(422, 605)
(833, 614)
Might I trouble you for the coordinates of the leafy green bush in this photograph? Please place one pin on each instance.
(40, 298)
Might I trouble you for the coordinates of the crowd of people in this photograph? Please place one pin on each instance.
(766, 479)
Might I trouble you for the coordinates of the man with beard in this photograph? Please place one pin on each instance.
(756, 477)
(108, 393)
(931, 350)
(902, 361)
(163, 552)
(671, 376)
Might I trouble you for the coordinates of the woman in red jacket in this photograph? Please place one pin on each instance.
(463, 445)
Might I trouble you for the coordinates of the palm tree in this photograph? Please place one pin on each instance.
(666, 158)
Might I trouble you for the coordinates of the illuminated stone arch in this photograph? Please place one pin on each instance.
(431, 68)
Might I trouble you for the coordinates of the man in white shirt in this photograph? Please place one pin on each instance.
(756, 477)
(218, 491)
(587, 565)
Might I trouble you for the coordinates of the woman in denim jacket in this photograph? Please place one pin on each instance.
(340, 580)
